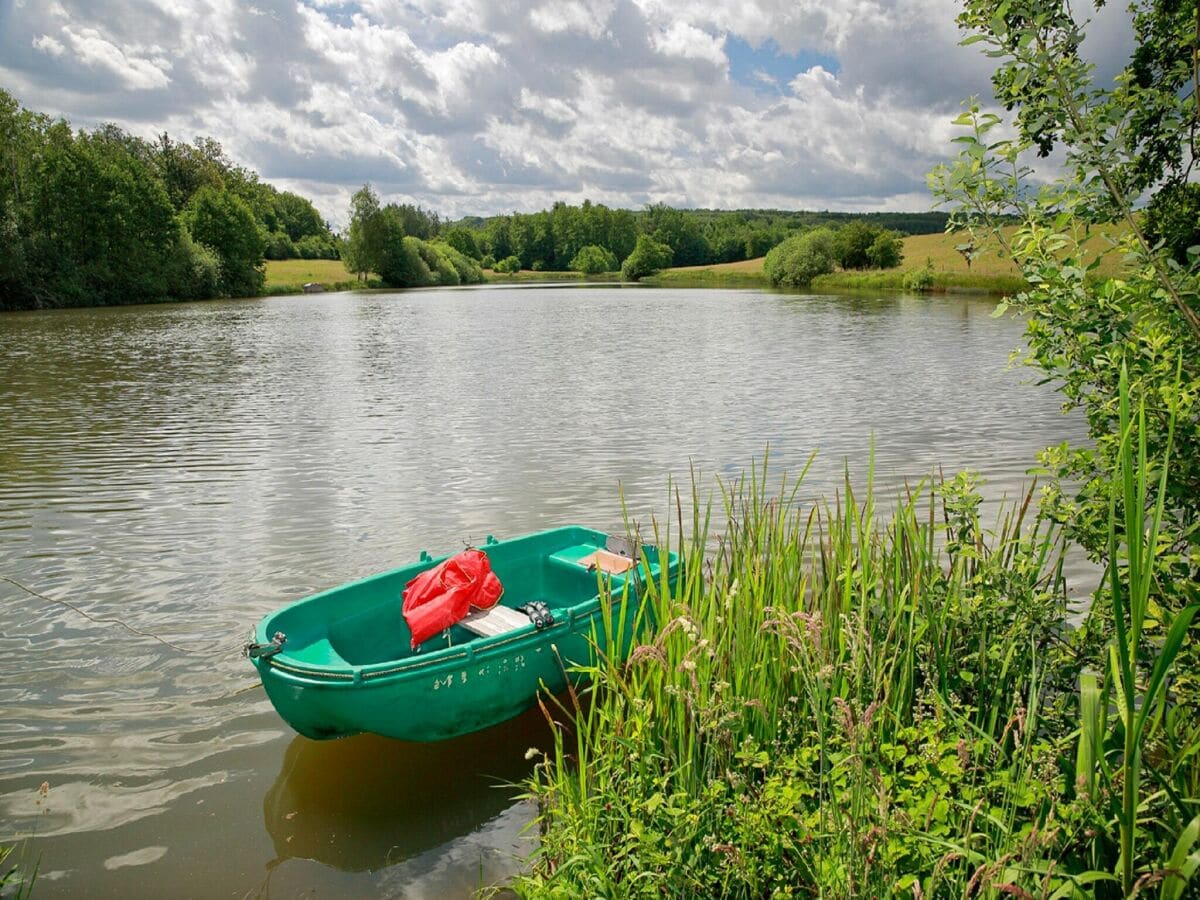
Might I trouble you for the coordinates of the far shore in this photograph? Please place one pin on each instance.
(989, 271)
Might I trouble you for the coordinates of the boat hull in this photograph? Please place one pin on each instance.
(467, 683)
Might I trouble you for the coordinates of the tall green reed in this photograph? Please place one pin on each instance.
(830, 699)
(1129, 710)
(852, 704)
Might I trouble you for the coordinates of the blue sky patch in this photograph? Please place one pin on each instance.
(342, 13)
(769, 69)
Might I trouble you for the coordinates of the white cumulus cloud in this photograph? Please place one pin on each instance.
(93, 49)
(481, 107)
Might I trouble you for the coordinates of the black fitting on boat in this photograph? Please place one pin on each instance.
(252, 650)
(539, 613)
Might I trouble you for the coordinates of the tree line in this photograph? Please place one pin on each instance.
(552, 240)
(398, 242)
(104, 217)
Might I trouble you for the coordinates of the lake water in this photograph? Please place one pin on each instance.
(187, 468)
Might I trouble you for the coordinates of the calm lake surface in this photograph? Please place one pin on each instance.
(187, 468)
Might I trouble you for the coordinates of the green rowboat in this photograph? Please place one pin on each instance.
(339, 662)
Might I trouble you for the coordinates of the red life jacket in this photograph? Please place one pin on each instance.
(443, 595)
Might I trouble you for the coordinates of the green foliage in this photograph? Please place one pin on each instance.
(801, 258)
(920, 280)
(184, 169)
(886, 251)
(418, 222)
(489, 261)
(696, 236)
(314, 246)
(680, 232)
(366, 235)
(279, 246)
(399, 262)
(860, 245)
(592, 260)
(1173, 220)
(91, 218)
(223, 222)
(1079, 332)
(193, 271)
(466, 269)
(831, 707)
(296, 217)
(1113, 346)
(463, 240)
(382, 240)
(97, 227)
(852, 244)
(839, 706)
(648, 257)
(443, 271)
(508, 264)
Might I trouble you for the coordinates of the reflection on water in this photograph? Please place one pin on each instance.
(367, 802)
(189, 467)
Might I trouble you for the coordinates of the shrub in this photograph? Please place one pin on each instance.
(887, 250)
(648, 257)
(280, 246)
(401, 264)
(593, 259)
(222, 221)
(920, 280)
(314, 246)
(442, 269)
(852, 244)
(508, 265)
(1173, 217)
(468, 269)
(801, 258)
(193, 270)
(463, 240)
(832, 704)
(488, 261)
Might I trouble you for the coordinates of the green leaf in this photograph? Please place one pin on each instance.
(1182, 865)
(1166, 658)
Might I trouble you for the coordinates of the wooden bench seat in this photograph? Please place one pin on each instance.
(497, 620)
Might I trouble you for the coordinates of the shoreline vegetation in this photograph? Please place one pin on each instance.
(847, 704)
(990, 272)
(104, 218)
(840, 704)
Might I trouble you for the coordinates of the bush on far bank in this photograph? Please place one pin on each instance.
(801, 258)
(594, 259)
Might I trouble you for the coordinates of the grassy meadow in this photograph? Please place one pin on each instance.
(989, 271)
(288, 276)
(529, 276)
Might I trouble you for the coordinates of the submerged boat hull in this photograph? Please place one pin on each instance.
(345, 666)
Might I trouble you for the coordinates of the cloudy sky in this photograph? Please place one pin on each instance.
(489, 106)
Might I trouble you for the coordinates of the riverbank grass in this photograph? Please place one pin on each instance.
(842, 704)
(525, 276)
(989, 271)
(288, 276)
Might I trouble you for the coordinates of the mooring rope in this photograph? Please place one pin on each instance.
(114, 621)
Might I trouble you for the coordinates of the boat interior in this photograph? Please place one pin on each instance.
(362, 624)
